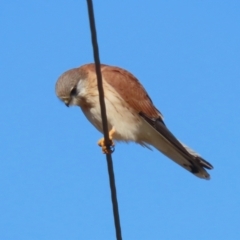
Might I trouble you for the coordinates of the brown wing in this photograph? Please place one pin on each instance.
(131, 90)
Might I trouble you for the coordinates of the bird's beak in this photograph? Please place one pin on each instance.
(66, 103)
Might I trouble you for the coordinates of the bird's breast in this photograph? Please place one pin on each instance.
(121, 117)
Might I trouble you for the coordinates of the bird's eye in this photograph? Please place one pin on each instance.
(73, 92)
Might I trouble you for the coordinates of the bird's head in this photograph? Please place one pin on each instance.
(67, 86)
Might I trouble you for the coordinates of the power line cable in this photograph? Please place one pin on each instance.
(104, 120)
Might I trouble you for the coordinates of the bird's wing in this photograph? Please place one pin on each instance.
(180, 153)
(132, 92)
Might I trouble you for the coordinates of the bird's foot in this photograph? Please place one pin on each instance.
(107, 148)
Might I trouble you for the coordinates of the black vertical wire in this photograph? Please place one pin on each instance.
(104, 120)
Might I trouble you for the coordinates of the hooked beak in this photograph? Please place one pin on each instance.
(66, 103)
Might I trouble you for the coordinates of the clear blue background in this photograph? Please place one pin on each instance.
(53, 177)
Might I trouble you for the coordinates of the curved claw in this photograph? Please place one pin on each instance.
(106, 149)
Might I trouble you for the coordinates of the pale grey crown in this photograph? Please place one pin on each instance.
(66, 84)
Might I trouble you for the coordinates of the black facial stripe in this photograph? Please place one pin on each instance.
(73, 92)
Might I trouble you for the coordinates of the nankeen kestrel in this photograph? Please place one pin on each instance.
(130, 112)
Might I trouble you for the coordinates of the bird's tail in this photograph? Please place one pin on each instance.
(163, 140)
(191, 161)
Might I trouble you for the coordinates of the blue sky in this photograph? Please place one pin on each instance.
(53, 176)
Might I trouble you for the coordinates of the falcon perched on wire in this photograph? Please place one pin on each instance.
(131, 114)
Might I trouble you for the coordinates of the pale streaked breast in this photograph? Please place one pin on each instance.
(121, 117)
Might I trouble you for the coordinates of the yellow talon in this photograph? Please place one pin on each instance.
(107, 149)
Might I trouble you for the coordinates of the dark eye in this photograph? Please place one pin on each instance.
(73, 92)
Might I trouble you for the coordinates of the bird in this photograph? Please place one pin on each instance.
(131, 114)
